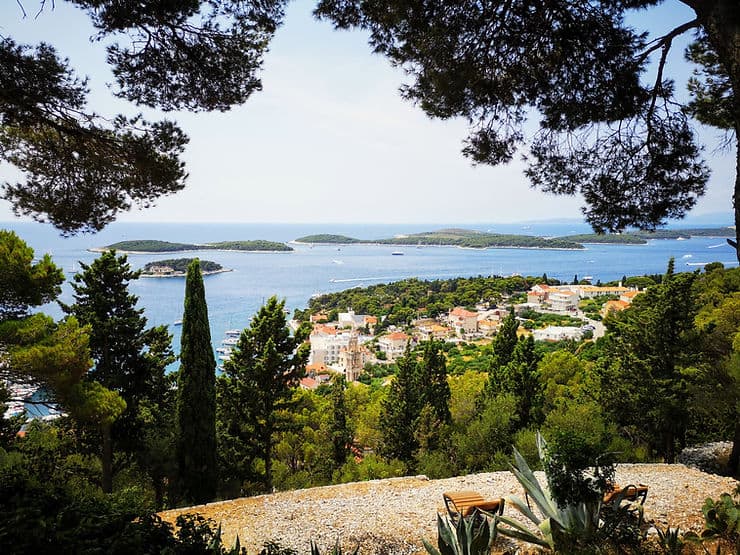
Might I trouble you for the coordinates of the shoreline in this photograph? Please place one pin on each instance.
(105, 249)
(414, 245)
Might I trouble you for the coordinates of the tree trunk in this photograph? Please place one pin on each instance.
(267, 443)
(721, 21)
(107, 460)
(734, 462)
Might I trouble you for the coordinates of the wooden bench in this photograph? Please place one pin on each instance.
(627, 493)
(464, 503)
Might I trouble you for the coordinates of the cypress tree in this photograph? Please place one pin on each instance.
(196, 396)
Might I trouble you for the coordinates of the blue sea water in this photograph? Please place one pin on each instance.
(234, 297)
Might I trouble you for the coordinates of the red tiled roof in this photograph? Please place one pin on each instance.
(462, 313)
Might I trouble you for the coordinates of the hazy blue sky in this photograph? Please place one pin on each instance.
(329, 139)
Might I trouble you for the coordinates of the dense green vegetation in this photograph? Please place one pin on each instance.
(327, 238)
(641, 237)
(152, 246)
(455, 237)
(405, 300)
(180, 265)
(608, 238)
(258, 245)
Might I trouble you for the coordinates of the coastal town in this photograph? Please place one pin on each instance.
(346, 345)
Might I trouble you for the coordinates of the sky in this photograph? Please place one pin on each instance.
(329, 139)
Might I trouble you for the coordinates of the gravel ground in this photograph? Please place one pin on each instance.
(391, 516)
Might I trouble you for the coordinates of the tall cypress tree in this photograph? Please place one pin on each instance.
(196, 396)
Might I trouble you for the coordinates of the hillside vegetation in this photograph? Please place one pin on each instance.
(180, 266)
(642, 237)
(153, 246)
(455, 238)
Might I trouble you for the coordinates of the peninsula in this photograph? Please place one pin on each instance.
(178, 267)
(463, 238)
(149, 246)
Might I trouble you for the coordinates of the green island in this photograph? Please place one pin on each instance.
(464, 238)
(328, 238)
(642, 237)
(178, 267)
(153, 246)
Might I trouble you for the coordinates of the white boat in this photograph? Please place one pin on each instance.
(397, 253)
(230, 341)
(223, 350)
(177, 323)
(233, 333)
(224, 357)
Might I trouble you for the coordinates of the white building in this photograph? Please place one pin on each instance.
(393, 344)
(326, 344)
(557, 333)
(563, 300)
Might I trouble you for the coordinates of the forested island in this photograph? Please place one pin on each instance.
(178, 267)
(149, 246)
(642, 237)
(465, 238)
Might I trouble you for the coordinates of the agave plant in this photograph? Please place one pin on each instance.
(567, 528)
(336, 550)
(472, 535)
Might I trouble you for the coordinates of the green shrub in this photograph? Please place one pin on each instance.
(722, 516)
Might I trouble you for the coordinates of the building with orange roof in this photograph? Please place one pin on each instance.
(393, 344)
(463, 321)
(319, 317)
(308, 383)
(488, 327)
(613, 306)
(629, 296)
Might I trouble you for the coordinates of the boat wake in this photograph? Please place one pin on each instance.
(717, 246)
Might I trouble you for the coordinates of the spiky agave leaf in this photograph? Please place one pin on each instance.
(518, 531)
(468, 536)
(532, 486)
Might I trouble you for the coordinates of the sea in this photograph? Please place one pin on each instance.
(234, 297)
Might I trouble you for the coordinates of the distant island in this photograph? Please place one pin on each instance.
(178, 267)
(642, 237)
(464, 238)
(149, 246)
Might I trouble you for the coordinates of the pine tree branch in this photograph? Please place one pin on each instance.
(666, 39)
